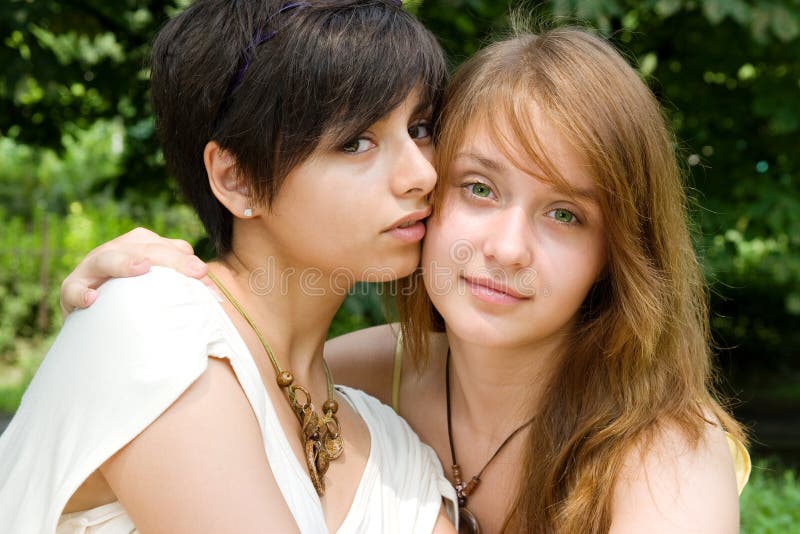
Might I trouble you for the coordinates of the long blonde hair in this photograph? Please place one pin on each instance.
(639, 355)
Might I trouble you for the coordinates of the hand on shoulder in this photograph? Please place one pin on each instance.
(673, 486)
(131, 254)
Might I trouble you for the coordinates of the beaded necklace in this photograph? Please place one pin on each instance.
(468, 523)
(321, 435)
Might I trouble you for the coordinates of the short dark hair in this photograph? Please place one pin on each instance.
(332, 69)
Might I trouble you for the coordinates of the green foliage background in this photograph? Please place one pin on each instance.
(79, 163)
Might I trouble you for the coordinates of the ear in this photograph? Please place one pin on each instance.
(225, 182)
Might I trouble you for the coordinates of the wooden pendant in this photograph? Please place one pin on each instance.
(323, 443)
(334, 445)
(312, 454)
(467, 522)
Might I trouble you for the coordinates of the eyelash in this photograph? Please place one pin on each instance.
(469, 189)
(358, 140)
(576, 219)
(425, 124)
(420, 124)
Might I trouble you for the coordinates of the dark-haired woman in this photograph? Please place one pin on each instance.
(162, 409)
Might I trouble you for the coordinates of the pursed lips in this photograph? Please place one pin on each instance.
(410, 219)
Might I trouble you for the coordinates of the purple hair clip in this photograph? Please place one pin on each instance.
(257, 40)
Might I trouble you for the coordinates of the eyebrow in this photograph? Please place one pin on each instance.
(589, 194)
(482, 160)
(422, 108)
(585, 193)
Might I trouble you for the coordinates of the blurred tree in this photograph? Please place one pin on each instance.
(67, 64)
(728, 72)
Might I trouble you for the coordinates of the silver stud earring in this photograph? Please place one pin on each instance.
(248, 212)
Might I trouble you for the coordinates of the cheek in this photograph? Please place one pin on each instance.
(428, 152)
(447, 237)
(435, 243)
(586, 267)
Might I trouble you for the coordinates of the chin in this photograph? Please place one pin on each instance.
(486, 330)
(387, 271)
(407, 268)
(405, 263)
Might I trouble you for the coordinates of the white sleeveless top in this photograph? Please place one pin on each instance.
(115, 367)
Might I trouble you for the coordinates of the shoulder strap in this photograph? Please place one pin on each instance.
(397, 372)
(741, 461)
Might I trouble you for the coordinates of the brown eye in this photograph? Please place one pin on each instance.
(357, 146)
(420, 130)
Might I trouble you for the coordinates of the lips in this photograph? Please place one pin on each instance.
(489, 287)
(410, 219)
(410, 229)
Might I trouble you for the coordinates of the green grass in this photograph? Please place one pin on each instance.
(14, 378)
(770, 503)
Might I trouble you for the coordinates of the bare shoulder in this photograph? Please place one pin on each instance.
(201, 466)
(365, 359)
(673, 486)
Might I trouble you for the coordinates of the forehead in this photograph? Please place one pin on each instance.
(414, 103)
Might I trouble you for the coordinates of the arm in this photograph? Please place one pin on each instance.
(364, 360)
(673, 487)
(201, 466)
(130, 254)
(443, 524)
(133, 392)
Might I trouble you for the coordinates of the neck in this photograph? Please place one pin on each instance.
(293, 311)
(497, 389)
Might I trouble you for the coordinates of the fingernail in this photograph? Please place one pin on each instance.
(139, 262)
(88, 296)
(197, 266)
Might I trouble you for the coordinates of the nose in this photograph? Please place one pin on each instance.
(413, 174)
(509, 238)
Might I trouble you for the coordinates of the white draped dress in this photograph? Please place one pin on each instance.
(116, 366)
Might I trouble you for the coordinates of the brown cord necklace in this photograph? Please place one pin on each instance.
(321, 435)
(468, 523)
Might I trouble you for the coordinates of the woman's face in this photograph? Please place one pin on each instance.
(356, 210)
(509, 258)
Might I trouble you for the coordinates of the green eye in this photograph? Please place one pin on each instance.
(480, 190)
(564, 216)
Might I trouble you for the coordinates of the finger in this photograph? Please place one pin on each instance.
(77, 289)
(192, 266)
(112, 264)
(165, 254)
(75, 295)
(139, 235)
(182, 245)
